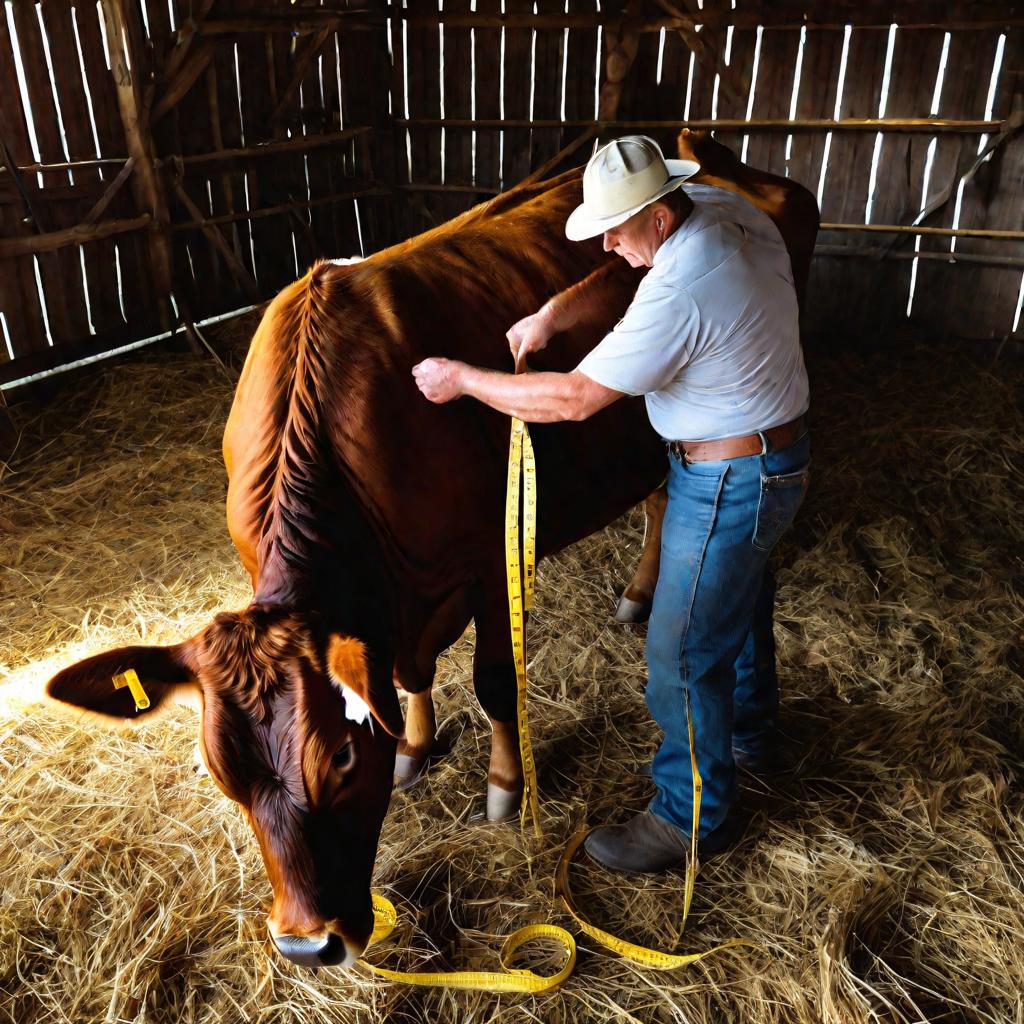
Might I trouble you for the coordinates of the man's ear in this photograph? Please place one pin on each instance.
(348, 666)
(89, 685)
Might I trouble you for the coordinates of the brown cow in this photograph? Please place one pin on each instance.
(371, 523)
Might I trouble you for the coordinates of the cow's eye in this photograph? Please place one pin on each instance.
(344, 757)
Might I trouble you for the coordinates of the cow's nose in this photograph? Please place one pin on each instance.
(313, 951)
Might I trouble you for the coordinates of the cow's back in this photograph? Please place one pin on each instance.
(431, 478)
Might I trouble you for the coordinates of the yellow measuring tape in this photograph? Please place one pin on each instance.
(520, 574)
(512, 979)
(521, 463)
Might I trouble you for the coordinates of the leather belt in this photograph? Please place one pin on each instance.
(763, 441)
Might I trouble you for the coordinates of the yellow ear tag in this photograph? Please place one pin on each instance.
(131, 680)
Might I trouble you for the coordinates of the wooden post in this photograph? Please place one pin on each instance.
(621, 42)
(146, 182)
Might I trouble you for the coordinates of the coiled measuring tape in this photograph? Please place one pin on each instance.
(512, 979)
(520, 573)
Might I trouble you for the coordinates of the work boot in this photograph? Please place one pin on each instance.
(774, 755)
(647, 844)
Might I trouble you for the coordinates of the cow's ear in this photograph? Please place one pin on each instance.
(349, 668)
(89, 685)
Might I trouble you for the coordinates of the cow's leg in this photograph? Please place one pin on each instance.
(494, 678)
(415, 746)
(635, 603)
(415, 675)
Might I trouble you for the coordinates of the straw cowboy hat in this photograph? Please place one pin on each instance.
(621, 179)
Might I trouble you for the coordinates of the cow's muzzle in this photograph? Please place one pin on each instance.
(329, 950)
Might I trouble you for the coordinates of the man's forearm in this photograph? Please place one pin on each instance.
(533, 397)
(601, 295)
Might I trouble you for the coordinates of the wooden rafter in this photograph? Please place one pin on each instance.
(563, 154)
(687, 29)
(299, 69)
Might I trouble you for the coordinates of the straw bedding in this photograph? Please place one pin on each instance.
(881, 879)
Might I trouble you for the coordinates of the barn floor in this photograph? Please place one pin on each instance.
(882, 880)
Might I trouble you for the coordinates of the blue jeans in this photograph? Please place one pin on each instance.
(710, 631)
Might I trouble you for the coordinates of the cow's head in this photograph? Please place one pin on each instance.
(299, 728)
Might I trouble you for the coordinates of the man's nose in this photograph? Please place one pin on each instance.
(609, 243)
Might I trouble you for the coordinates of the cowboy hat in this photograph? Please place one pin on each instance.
(620, 179)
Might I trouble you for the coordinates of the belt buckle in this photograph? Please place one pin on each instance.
(764, 442)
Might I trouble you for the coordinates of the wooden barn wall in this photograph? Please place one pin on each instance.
(372, 128)
(214, 80)
(527, 75)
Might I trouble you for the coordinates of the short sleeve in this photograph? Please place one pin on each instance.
(649, 345)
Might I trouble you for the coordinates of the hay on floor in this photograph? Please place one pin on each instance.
(882, 880)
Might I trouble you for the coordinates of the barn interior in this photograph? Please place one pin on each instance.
(167, 167)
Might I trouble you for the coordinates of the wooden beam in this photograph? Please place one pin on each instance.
(108, 194)
(186, 36)
(621, 43)
(564, 153)
(187, 76)
(924, 125)
(877, 252)
(299, 68)
(49, 241)
(766, 19)
(298, 144)
(427, 186)
(270, 211)
(906, 229)
(216, 239)
(146, 182)
(300, 21)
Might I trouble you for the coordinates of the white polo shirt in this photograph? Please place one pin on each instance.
(711, 337)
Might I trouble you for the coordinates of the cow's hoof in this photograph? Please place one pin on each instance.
(628, 610)
(502, 805)
(409, 771)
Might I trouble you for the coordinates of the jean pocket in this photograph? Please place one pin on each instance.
(781, 496)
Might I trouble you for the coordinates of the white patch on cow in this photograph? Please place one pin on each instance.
(356, 709)
(344, 262)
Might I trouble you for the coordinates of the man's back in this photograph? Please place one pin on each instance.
(712, 337)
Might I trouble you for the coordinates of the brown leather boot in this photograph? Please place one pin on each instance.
(647, 844)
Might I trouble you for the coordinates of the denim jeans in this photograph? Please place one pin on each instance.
(710, 632)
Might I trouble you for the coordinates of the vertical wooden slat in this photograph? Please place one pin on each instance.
(330, 164)
(100, 261)
(487, 51)
(457, 97)
(368, 75)
(547, 94)
(741, 64)
(61, 275)
(425, 93)
(713, 37)
(642, 97)
(274, 264)
(518, 49)
(901, 163)
(994, 198)
(820, 77)
(835, 293)
(583, 57)
(19, 297)
(773, 96)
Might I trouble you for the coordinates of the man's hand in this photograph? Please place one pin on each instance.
(530, 334)
(439, 379)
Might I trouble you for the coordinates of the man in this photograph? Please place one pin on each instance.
(711, 340)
